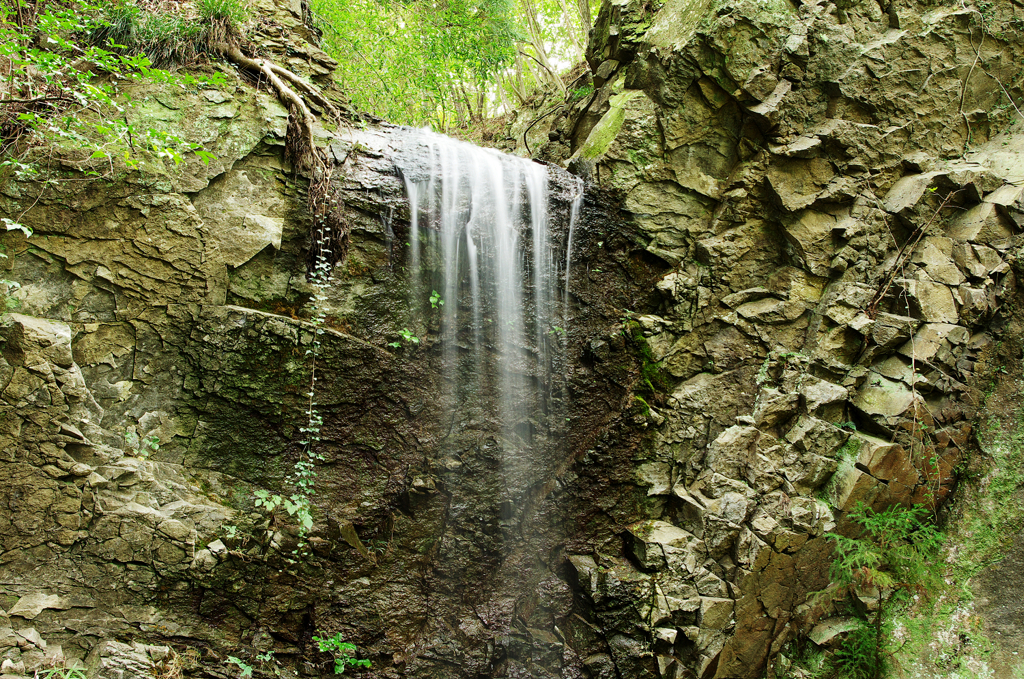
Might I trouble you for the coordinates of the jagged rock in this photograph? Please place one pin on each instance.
(716, 613)
(774, 408)
(732, 453)
(810, 234)
(34, 340)
(890, 330)
(738, 299)
(124, 661)
(811, 516)
(823, 399)
(658, 544)
(31, 605)
(980, 224)
(656, 475)
(30, 637)
(908, 191)
(771, 310)
(933, 302)
(884, 398)
(931, 338)
(935, 254)
(816, 436)
(807, 471)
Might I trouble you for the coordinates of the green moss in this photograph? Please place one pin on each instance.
(607, 129)
(653, 379)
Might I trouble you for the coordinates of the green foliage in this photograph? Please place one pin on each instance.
(991, 524)
(857, 657)
(296, 505)
(894, 555)
(141, 446)
(61, 673)
(448, 64)
(244, 668)
(166, 38)
(406, 336)
(64, 88)
(417, 63)
(235, 12)
(893, 552)
(435, 300)
(343, 652)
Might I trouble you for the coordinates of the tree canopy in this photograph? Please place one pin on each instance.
(448, 62)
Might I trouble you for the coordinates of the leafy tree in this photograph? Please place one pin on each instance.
(895, 556)
(449, 63)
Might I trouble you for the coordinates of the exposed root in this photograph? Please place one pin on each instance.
(329, 238)
(306, 154)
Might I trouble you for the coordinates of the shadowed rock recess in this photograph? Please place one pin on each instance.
(799, 241)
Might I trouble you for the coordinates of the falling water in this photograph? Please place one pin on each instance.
(574, 215)
(480, 236)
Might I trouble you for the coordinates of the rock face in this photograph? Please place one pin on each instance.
(801, 232)
(825, 205)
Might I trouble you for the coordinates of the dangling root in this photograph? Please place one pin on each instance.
(330, 232)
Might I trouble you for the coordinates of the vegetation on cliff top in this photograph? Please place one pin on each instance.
(452, 63)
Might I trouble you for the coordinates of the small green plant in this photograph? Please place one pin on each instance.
(267, 660)
(60, 673)
(298, 506)
(149, 445)
(343, 652)
(435, 300)
(406, 336)
(244, 668)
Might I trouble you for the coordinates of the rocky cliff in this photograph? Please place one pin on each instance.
(797, 264)
(837, 188)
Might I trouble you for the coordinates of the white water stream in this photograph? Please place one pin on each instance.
(480, 237)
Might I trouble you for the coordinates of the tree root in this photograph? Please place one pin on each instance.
(329, 237)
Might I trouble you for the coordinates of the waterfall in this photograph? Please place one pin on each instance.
(480, 237)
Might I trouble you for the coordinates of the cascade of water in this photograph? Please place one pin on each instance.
(574, 214)
(480, 236)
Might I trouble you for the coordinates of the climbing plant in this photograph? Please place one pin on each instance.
(299, 504)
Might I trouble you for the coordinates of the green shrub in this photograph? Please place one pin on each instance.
(894, 555)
